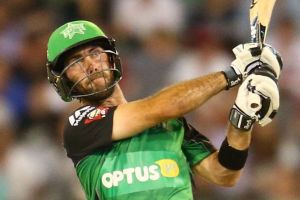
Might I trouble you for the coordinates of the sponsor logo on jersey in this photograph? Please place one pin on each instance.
(89, 113)
(79, 115)
(162, 168)
(96, 114)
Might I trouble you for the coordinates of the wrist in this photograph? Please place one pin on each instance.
(232, 77)
(232, 158)
(238, 138)
(240, 120)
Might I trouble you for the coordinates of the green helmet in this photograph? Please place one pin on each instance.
(68, 37)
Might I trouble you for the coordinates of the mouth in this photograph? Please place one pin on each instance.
(95, 76)
(97, 80)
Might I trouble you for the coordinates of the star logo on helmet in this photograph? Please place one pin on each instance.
(73, 29)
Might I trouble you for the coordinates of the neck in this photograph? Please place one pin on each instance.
(115, 99)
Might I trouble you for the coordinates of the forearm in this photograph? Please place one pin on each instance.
(182, 98)
(234, 149)
(237, 138)
(213, 170)
(232, 155)
(169, 103)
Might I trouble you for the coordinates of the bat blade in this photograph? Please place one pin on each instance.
(264, 16)
(260, 17)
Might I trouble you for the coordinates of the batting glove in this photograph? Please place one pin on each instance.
(247, 59)
(257, 100)
(271, 59)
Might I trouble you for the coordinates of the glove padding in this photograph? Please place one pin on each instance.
(247, 59)
(265, 86)
(271, 59)
(257, 100)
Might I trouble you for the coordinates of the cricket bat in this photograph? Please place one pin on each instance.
(260, 17)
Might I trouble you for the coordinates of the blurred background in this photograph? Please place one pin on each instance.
(161, 42)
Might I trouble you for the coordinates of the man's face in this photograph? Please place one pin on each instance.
(89, 69)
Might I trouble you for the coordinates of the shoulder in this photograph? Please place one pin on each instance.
(89, 114)
(88, 128)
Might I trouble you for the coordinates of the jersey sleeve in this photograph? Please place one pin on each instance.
(195, 146)
(88, 129)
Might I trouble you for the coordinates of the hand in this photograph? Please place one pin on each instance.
(264, 84)
(271, 58)
(247, 59)
(257, 100)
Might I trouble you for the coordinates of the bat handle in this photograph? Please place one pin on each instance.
(257, 32)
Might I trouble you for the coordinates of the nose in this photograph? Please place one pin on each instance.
(91, 65)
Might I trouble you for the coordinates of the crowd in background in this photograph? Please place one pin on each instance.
(160, 42)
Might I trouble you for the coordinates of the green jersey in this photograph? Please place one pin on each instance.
(155, 164)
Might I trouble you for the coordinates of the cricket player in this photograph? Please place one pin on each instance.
(145, 149)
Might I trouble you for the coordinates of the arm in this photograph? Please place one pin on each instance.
(210, 168)
(171, 102)
(224, 167)
(179, 99)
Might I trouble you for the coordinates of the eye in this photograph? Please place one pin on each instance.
(95, 53)
(75, 62)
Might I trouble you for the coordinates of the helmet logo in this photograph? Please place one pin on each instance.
(73, 29)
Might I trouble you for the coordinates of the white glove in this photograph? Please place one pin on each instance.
(257, 100)
(247, 59)
(268, 91)
(271, 59)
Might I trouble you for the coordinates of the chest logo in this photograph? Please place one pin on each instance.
(166, 168)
